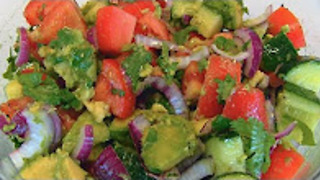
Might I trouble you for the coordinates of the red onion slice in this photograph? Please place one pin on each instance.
(57, 129)
(109, 166)
(39, 137)
(198, 170)
(198, 55)
(157, 43)
(23, 55)
(171, 91)
(85, 144)
(92, 36)
(260, 19)
(238, 57)
(186, 19)
(21, 127)
(255, 50)
(136, 128)
(287, 131)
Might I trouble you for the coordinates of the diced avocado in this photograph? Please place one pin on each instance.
(304, 80)
(292, 107)
(207, 22)
(235, 176)
(95, 152)
(167, 142)
(230, 10)
(183, 7)
(55, 166)
(277, 52)
(90, 10)
(40, 168)
(228, 154)
(100, 132)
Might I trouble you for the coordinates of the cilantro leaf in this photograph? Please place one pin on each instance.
(169, 68)
(135, 63)
(227, 45)
(73, 59)
(182, 36)
(47, 91)
(224, 88)
(221, 124)
(12, 68)
(258, 144)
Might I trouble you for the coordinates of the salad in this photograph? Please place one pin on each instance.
(159, 89)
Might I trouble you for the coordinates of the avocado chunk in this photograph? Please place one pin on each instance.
(183, 7)
(90, 10)
(100, 132)
(207, 22)
(292, 107)
(55, 166)
(167, 142)
(228, 154)
(230, 10)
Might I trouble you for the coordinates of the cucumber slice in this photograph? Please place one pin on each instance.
(235, 176)
(304, 80)
(292, 107)
(228, 154)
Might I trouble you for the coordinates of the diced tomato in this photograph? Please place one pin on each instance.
(63, 14)
(115, 28)
(34, 50)
(13, 106)
(153, 25)
(246, 102)
(285, 164)
(192, 81)
(36, 10)
(218, 68)
(163, 3)
(282, 17)
(138, 8)
(274, 80)
(68, 117)
(111, 87)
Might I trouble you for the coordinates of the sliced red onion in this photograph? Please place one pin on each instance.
(21, 126)
(39, 137)
(255, 50)
(136, 128)
(92, 36)
(186, 19)
(157, 43)
(238, 57)
(85, 144)
(57, 129)
(260, 19)
(287, 131)
(199, 170)
(169, 3)
(200, 54)
(23, 56)
(271, 115)
(171, 91)
(109, 166)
